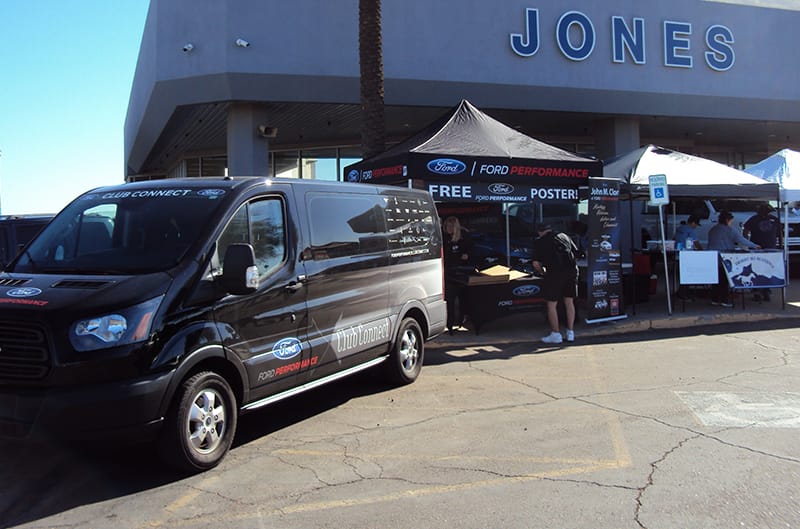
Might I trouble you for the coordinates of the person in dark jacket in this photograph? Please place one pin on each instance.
(554, 255)
(456, 253)
(764, 229)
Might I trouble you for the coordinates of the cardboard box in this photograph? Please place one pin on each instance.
(495, 274)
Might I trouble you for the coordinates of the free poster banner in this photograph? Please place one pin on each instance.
(604, 259)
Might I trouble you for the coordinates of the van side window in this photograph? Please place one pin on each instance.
(346, 225)
(261, 224)
(410, 222)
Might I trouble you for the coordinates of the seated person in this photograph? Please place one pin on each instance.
(688, 230)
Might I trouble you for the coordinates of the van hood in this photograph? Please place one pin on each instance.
(77, 294)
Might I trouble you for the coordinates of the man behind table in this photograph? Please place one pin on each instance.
(763, 229)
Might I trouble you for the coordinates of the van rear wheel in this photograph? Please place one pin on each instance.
(405, 360)
(201, 424)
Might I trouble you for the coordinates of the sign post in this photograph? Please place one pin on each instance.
(659, 196)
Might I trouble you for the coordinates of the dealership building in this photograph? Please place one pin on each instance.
(268, 87)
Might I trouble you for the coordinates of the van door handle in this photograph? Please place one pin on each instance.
(296, 285)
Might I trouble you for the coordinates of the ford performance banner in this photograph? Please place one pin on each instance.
(604, 263)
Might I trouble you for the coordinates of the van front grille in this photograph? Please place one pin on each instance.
(24, 353)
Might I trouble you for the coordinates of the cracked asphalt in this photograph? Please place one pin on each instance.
(650, 430)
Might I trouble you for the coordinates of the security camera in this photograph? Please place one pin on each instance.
(188, 47)
(265, 131)
(242, 43)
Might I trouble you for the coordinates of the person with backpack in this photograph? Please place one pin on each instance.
(555, 259)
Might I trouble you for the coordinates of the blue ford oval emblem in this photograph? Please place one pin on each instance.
(446, 166)
(211, 192)
(24, 292)
(287, 348)
(526, 291)
(501, 189)
(352, 176)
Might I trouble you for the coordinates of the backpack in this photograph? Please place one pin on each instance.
(565, 250)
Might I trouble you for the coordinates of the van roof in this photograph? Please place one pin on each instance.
(229, 183)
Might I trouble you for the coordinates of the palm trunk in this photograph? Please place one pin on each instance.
(370, 56)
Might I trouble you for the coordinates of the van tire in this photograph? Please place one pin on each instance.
(405, 359)
(201, 424)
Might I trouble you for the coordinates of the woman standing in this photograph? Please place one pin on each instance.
(456, 253)
(723, 237)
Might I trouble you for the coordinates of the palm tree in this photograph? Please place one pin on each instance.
(370, 58)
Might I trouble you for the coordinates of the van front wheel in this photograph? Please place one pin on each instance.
(405, 360)
(201, 424)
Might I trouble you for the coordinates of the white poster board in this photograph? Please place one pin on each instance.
(698, 267)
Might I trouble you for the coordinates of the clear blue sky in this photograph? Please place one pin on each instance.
(66, 68)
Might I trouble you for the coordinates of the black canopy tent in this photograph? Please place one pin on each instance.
(466, 155)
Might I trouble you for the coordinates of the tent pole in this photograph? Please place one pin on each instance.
(785, 240)
(633, 260)
(508, 238)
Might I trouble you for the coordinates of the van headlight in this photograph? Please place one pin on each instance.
(122, 327)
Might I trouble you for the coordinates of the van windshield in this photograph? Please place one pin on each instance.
(121, 232)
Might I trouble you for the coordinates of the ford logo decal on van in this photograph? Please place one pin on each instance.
(352, 176)
(24, 292)
(211, 192)
(526, 291)
(287, 348)
(446, 166)
(501, 189)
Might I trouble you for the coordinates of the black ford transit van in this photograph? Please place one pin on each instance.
(161, 310)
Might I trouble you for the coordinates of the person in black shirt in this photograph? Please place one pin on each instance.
(555, 258)
(456, 253)
(764, 229)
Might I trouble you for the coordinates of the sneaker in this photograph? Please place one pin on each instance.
(570, 335)
(553, 337)
(725, 304)
(716, 303)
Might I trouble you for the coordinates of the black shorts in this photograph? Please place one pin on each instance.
(560, 284)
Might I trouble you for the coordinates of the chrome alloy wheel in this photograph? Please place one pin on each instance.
(206, 421)
(409, 349)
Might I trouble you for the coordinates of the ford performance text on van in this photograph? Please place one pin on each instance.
(161, 310)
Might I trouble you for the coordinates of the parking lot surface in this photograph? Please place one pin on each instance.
(653, 429)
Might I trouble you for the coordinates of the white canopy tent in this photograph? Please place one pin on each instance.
(687, 176)
(782, 168)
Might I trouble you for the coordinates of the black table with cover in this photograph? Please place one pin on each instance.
(484, 302)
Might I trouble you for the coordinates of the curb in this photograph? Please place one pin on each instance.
(613, 328)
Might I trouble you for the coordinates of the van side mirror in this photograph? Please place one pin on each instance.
(239, 273)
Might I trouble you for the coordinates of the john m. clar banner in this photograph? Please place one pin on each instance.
(604, 261)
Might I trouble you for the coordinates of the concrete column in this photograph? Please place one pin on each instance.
(248, 151)
(615, 136)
